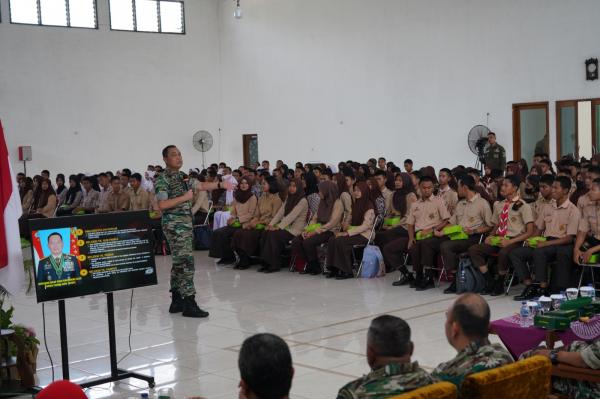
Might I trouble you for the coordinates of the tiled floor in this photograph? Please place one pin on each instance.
(324, 322)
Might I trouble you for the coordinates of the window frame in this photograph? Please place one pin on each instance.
(158, 16)
(516, 108)
(39, 17)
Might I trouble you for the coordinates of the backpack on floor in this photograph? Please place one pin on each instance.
(202, 237)
(372, 262)
(468, 278)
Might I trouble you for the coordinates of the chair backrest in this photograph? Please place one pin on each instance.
(528, 378)
(440, 390)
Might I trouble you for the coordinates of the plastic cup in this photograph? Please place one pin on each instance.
(572, 293)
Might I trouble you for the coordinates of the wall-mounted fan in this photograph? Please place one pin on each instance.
(203, 141)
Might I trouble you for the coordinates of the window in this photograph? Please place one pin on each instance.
(161, 16)
(68, 13)
(577, 127)
(530, 130)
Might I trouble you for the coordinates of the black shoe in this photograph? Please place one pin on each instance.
(489, 283)
(407, 278)
(426, 284)
(416, 282)
(498, 288)
(331, 273)
(243, 267)
(313, 268)
(272, 270)
(263, 269)
(176, 303)
(451, 289)
(529, 292)
(191, 309)
(226, 261)
(344, 276)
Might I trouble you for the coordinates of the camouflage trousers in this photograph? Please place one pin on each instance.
(179, 234)
(572, 388)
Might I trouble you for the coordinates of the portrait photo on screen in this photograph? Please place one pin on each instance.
(89, 254)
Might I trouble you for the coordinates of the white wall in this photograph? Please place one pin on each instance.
(317, 80)
(338, 79)
(127, 95)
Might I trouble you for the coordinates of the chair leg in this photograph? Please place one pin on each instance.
(581, 277)
(292, 267)
(359, 269)
(512, 277)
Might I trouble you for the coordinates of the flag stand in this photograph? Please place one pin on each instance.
(116, 374)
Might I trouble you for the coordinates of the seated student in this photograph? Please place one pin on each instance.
(73, 197)
(339, 247)
(544, 198)
(346, 180)
(140, 199)
(44, 205)
(376, 197)
(467, 328)
(287, 223)
(61, 190)
(588, 235)
(402, 199)
(592, 174)
(577, 354)
(415, 175)
(26, 193)
(329, 216)
(427, 215)
(559, 224)
(242, 211)
(246, 240)
(89, 203)
(266, 369)
(311, 190)
(117, 200)
(474, 215)
(125, 176)
(380, 181)
(389, 351)
(448, 195)
(513, 221)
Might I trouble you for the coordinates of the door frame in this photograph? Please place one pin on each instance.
(517, 124)
(246, 139)
(558, 106)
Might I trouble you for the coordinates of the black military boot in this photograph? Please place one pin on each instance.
(315, 268)
(498, 287)
(427, 282)
(489, 283)
(191, 309)
(529, 292)
(176, 302)
(451, 289)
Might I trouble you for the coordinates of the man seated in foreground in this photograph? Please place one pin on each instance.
(389, 350)
(577, 354)
(266, 370)
(467, 324)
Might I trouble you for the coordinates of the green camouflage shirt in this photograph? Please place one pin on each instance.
(171, 184)
(387, 381)
(590, 353)
(495, 157)
(477, 356)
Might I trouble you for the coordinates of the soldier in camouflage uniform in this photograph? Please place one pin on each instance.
(174, 199)
(467, 324)
(495, 154)
(578, 354)
(389, 349)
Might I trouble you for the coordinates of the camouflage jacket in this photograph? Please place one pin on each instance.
(495, 157)
(171, 184)
(590, 353)
(387, 381)
(477, 356)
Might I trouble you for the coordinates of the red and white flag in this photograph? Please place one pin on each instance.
(11, 257)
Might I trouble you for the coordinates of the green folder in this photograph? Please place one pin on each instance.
(533, 241)
(259, 226)
(312, 227)
(392, 221)
(421, 236)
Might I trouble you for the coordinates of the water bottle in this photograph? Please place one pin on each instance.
(165, 393)
(525, 315)
(144, 396)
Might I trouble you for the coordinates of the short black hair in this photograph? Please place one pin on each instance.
(546, 161)
(165, 150)
(425, 179)
(46, 171)
(564, 182)
(596, 181)
(491, 134)
(446, 170)
(273, 185)
(136, 176)
(594, 169)
(514, 180)
(55, 234)
(408, 161)
(467, 181)
(546, 179)
(380, 172)
(265, 364)
(60, 176)
(86, 178)
(389, 336)
(102, 175)
(472, 313)
(116, 178)
(380, 158)
(347, 172)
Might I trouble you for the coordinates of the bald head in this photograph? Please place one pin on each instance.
(472, 314)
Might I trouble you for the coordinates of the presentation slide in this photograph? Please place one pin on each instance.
(89, 254)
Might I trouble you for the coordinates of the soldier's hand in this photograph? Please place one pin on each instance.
(188, 196)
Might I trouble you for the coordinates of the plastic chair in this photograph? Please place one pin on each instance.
(591, 267)
(440, 390)
(376, 224)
